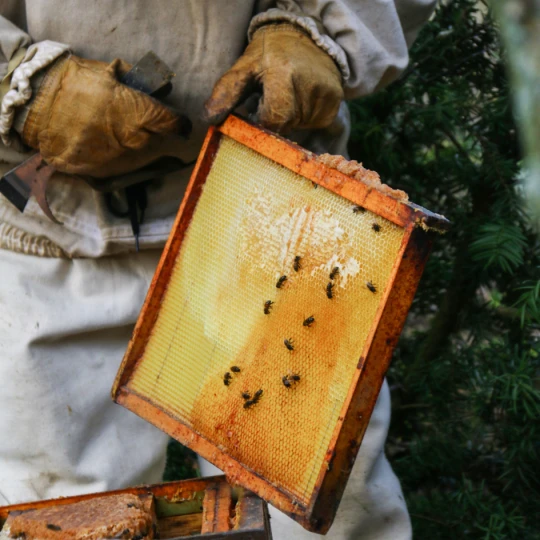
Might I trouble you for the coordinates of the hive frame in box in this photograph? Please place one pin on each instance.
(198, 508)
(417, 223)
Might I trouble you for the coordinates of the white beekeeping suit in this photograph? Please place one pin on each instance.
(71, 293)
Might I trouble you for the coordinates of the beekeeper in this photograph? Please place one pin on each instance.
(70, 294)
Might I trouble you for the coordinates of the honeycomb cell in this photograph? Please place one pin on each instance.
(252, 222)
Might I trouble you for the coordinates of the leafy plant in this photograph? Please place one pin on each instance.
(464, 439)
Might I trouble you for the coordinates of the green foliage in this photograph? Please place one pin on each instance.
(464, 439)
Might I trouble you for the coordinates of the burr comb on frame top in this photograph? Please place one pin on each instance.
(272, 316)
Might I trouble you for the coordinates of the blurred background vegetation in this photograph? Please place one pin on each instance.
(464, 439)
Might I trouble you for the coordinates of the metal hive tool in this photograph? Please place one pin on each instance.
(272, 317)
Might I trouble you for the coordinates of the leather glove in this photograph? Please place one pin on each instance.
(301, 83)
(84, 121)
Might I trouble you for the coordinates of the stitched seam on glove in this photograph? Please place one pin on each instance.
(324, 42)
(37, 57)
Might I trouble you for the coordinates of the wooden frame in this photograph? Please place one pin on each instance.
(415, 247)
(199, 508)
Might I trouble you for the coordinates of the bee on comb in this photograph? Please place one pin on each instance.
(296, 264)
(268, 306)
(281, 281)
(329, 290)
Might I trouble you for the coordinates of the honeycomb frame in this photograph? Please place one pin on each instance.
(316, 510)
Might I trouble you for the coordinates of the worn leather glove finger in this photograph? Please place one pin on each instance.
(84, 121)
(301, 83)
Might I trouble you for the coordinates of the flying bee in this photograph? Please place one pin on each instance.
(281, 281)
(296, 264)
(235, 369)
(329, 291)
(286, 382)
(309, 321)
(289, 344)
(334, 273)
(227, 379)
(371, 287)
(249, 404)
(267, 306)
(376, 227)
(358, 209)
(246, 396)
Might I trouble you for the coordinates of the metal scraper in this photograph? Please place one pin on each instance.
(31, 177)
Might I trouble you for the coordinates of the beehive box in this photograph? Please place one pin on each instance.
(202, 508)
(273, 314)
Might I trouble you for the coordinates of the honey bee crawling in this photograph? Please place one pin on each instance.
(309, 321)
(289, 344)
(267, 306)
(227, 379)
(235, 369)
(371, 287)
(334, 273)
(257, 395)
(329, 291)
(358, 209)
(249, 404)
(376, 227)
(286, 380)
(281, 281)
(296, 264)
(246, 396)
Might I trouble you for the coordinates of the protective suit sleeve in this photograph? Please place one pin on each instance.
(19, 61)
(368, 39)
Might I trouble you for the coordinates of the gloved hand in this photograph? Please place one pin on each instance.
(84, 121)
(301, 83)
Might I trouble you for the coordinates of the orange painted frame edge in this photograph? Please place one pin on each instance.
(316, 516)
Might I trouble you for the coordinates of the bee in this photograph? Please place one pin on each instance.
(289, 344)
(315, 186)
(358, 209)
(329, 291)
(257, 396)
(376, 227)
(309, 321)
(334, 273)
(296, 264)
(227, 379)
(286, 382)
(267, 306)
(295, 377)
(246, 396)
(371, 287)
(235, 369)
(249, 404)
(281, 281)
(52, 527)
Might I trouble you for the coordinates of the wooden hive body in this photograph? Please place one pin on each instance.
(257, 208)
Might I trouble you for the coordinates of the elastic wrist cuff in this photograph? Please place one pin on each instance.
(308, 25)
